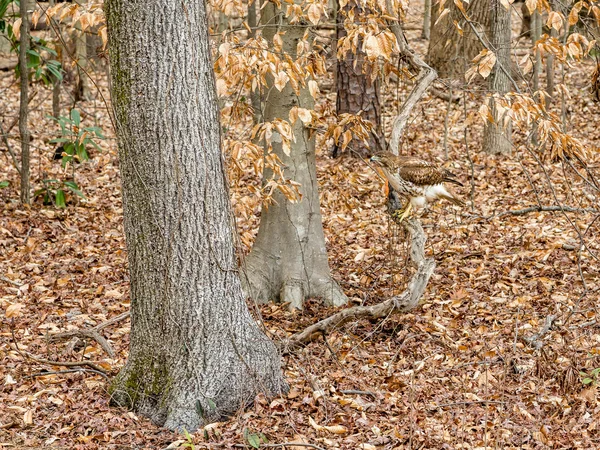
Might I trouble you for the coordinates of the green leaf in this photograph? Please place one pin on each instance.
(69, 148)
(58, 140)
(587, 380)
(253, 440)
(74, 188)
(199, 409)
(60, 199)
(4, 184)
(75, 117)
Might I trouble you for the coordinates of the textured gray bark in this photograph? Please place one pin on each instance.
(355, 90)
(196, 354)
(449, 53)
(426, 20)
(288, 261)
(83, 85)
(497, 134)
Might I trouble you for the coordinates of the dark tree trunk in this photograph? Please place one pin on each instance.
(497, 134)
(449, 53)
(196, 354)
(24, 132)
(356, 90)
(288, 261)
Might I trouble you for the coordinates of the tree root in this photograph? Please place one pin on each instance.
(406, 301)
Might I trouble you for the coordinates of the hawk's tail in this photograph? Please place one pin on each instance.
(449, 178)
(451, 196)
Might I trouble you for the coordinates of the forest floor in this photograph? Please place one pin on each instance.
(473, 367)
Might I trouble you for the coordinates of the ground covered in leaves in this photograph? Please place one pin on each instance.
(495, 357)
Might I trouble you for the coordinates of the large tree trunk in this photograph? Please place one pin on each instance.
(449, 53)
(497, 134)
(288, 261)
(196, 354)
(356, 90)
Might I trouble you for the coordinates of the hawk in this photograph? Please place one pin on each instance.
(417, 180)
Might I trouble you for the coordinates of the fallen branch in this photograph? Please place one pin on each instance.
(285, 444)
(406, 301)
(473, 402)
(530, 209)
(535, 339)
(60, 372)
(25, 355)
(92, 333)
(90, 364)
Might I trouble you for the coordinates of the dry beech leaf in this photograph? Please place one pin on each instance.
(28, 417)
(371, 47)
(314, 13)
(14, 310)
(313, 88)
(335, 429)
(444, 13)
(281, 80)
(304, 115)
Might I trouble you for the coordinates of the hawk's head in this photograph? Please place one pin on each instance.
(382, 160)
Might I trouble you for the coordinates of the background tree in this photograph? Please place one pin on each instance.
(358, 84)
(196, 354)
(497, 132)
(451, 50)
(288, 261)
(24, 101)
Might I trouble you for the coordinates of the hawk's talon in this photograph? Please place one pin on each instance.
(400, 214)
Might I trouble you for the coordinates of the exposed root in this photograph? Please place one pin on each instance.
(406, 301)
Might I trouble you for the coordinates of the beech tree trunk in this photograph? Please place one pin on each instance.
(288, 261)
(449, 53)
(497, 134)
(356, 90)
(196, 354)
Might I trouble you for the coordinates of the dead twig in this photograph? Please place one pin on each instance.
(92, 333)
(535, 340)
(285, 444)
(473, 402)
(26, 355)
(355, 392)
(59, 372)
(536, 208)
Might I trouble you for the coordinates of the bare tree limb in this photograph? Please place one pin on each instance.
(426, 76)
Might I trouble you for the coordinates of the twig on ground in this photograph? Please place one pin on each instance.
(285, 444)
(535, 340)
(59, 372)
(530, 209)
(25, 355)
(92, 333)
(355, 392)
(473, 402)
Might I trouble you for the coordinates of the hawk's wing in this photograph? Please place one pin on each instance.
(419, 172)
